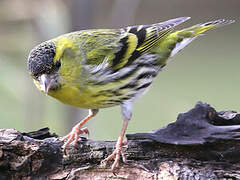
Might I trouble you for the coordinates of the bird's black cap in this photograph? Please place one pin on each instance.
(40, 60)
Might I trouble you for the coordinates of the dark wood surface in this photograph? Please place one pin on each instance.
(201, 144)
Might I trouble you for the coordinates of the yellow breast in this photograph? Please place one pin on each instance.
(74, 96)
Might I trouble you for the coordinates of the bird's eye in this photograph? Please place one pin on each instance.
(58, 64)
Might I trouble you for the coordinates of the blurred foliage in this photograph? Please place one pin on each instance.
(207, 70)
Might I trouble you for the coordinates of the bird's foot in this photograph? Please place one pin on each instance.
(116, 156)
(73, 136)
(77, 130)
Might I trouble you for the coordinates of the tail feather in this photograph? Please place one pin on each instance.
(219, 22)
(179, 39)
(201, 28)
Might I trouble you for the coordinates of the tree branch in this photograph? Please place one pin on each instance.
(201, 144)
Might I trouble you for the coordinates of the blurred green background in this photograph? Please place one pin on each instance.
(207, 70)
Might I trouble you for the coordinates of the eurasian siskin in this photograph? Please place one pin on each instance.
(101, 68)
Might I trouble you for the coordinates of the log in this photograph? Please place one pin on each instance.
(201, 144)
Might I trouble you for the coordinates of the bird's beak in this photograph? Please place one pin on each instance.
(45, 83)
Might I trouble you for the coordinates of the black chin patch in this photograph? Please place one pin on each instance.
(40, 59)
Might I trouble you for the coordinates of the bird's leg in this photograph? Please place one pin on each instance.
(126, 113)
(118, 148)
(76, 130)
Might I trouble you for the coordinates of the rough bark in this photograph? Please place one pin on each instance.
(201, 144)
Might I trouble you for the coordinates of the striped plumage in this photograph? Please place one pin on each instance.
(121, 64)
(101, 68)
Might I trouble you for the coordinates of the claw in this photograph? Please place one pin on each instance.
(86, 131)
(73, 137)
(116, 156)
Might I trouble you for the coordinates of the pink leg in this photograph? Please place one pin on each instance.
(118, 150)
(76, 130)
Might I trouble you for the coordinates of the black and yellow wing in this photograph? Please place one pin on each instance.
(137, 40)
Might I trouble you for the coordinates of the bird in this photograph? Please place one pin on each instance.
(101, 68)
